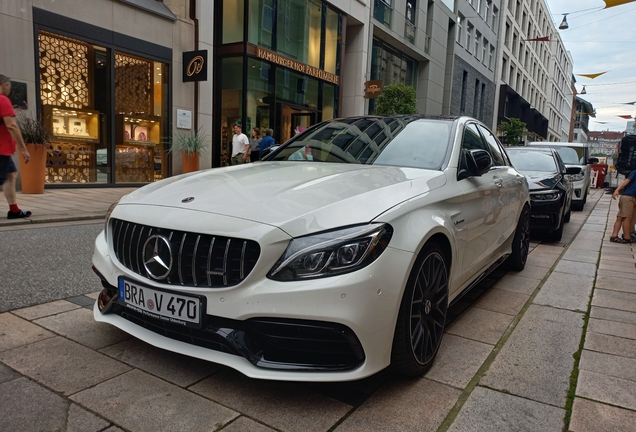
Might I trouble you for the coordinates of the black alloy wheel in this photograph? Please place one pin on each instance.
(521, 242)
(422, 317)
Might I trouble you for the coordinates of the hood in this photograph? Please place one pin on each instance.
(541, 180)
(298, 197)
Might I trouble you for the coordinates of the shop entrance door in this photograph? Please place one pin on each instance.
(292, 118)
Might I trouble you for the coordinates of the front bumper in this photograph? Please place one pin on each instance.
(332, 329)
(546, 215)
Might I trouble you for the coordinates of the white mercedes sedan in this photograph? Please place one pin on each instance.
(332, 259)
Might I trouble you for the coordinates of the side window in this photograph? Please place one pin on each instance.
(498, 155)
(560, 162)
(472, 140)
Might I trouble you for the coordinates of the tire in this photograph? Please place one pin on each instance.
(422, 317)
(568, 215)
(557, 234)
(521, 242)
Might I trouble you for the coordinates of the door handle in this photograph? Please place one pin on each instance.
(498, 182)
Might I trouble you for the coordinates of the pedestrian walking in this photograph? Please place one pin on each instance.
(240, 147)
(626, 203)
(10, 136)
(255, 142)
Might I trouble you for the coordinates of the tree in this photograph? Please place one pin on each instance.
(396, 99)
(513, 131)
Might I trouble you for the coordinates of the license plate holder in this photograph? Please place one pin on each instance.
(167, 306)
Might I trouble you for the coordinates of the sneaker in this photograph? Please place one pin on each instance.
(18, 215)
(621, 240)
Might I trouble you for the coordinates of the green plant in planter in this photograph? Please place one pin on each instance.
(396, 99)
(32, 130)
(190, 143)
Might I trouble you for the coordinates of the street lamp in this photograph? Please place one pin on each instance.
(564, 24)
(583, 91)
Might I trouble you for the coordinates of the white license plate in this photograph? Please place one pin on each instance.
(163, 305)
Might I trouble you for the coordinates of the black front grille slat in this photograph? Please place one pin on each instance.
(199, 260)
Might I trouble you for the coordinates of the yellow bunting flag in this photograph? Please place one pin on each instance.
(592, 76)
(612, 3)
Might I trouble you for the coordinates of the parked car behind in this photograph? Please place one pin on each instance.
(323, 268)
(550, 187)
(574, 154)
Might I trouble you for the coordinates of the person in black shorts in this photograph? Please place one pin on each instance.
(10, 136)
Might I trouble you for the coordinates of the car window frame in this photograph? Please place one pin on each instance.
(496, 146)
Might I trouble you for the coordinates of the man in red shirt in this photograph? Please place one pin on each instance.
(9, 136)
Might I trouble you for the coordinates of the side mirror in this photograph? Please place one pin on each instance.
(478, 162)
(573, 170)
(592, 160)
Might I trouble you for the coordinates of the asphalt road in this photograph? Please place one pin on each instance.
(39, 265)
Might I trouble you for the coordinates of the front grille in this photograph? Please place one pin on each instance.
(198, 260)
(270, 343)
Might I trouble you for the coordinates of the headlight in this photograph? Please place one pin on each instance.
(545, 196)
(108, 213)
(332, 253)
(578, 177)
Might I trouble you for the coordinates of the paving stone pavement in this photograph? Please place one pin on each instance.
(550, 348)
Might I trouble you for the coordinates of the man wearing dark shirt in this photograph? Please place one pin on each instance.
(268, 141)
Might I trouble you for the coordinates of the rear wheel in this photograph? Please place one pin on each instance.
(422, 316)
(521, 243)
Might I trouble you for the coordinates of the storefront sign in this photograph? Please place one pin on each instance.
(372, 89)
(297, 66)
(195, 66)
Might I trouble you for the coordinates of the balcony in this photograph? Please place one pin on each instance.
(409, 31)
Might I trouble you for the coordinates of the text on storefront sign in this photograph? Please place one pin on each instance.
(297, 66)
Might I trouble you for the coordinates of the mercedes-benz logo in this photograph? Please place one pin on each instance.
(157, 257)
(187, 200)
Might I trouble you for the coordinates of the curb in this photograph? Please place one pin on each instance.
(51, 219)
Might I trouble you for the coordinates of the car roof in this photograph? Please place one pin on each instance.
(532, 149)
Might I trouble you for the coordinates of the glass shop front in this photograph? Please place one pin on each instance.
(277, 65)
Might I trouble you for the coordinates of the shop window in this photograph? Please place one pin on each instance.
(299, 30)
(390, 66)
(296, 88)
(259, 98)
(66, 92)
(140, 153)
(233, 18)
(329, 102)
(262, 14)
(231, 76)
(332, 39)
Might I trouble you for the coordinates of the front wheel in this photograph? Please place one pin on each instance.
(521, 242)
(422, 316)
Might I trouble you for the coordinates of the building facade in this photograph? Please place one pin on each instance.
(103, 80)
(561, 98)
(584, 110)
(474, 83)
(604, 142)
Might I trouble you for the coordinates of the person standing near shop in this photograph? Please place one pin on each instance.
(268, 141)
(240, 147)
(626, 203)
(9, 136)
(254, 144)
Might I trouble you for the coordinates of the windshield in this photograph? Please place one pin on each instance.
(404, 142)
(526, 160)
(570, 155)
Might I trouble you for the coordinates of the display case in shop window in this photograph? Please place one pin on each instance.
(139, 153)
(74, 136)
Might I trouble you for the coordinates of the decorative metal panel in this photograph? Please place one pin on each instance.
(64, 71)
(70, 163)
(133, 85)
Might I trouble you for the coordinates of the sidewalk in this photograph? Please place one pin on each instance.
(551, 348)
(65, 205)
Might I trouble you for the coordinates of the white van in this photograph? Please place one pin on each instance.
(574, 154)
